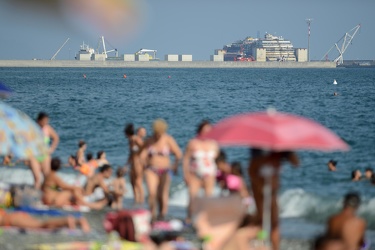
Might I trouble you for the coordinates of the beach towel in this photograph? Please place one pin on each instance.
(91, 245)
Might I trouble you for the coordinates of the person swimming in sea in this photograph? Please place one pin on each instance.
(356, 175)
(332, 165)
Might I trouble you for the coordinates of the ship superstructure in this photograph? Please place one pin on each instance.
(269, 48)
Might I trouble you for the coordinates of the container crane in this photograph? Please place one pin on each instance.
(62, 46)
(345, 40)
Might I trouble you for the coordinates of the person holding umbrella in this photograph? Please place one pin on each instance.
(281, 134)
(265, 182)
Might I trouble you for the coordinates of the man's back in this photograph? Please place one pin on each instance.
(349, 228)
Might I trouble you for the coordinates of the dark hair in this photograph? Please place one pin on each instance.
(333, 162)
(352, 200)
(120, 172)
(99, 154)
(104, 168)
(237, 168)
(129, 129)
(41, 116)
(55, 164)
(201, 125)
(81, 143)
(89, 156)
(222, 157)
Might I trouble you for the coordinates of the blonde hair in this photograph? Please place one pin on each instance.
(160, 126)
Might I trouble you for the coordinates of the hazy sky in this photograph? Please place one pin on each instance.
(196, 27)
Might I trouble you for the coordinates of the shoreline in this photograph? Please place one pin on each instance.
(158, 64)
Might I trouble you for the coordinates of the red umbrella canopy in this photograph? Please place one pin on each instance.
(275, 131)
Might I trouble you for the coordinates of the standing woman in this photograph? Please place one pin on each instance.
(156, 157)
(43, 163)
(199, 165)
(136, 169)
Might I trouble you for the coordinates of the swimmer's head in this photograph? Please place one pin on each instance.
(352, 200)
(81, 143)
(42, 119)
(160, 126)
(369, 173)
(55, 164)
(129, 129)
(89, 156)
(203, 127)
(356, 174)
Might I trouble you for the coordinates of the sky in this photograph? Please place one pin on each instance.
(31, 29)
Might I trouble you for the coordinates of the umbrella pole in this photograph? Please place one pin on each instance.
(267, 173)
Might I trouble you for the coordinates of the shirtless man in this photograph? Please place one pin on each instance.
(346, 225)
(274, 160)
(96, 189)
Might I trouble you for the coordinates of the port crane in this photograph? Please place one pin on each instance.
(102, 46)
(62, 46)
(345, 40)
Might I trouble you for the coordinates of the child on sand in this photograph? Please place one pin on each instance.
(119, 188)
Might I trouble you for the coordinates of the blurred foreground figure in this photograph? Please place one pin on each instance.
(347, 226)
(261, 159)
(117, 20)
(324, 242)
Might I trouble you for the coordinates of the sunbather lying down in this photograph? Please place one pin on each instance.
(223, 224)
(26, 221)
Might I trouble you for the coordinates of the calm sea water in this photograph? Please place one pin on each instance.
(96, 109)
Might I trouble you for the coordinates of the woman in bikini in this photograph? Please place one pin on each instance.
(41, 164)
(199, 166)
(156, 158)
(136, 168)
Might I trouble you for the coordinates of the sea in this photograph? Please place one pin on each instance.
(96, 109)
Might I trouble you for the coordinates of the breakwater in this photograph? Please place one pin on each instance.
(159, 64)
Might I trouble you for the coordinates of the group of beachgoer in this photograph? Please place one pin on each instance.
(204, 166)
